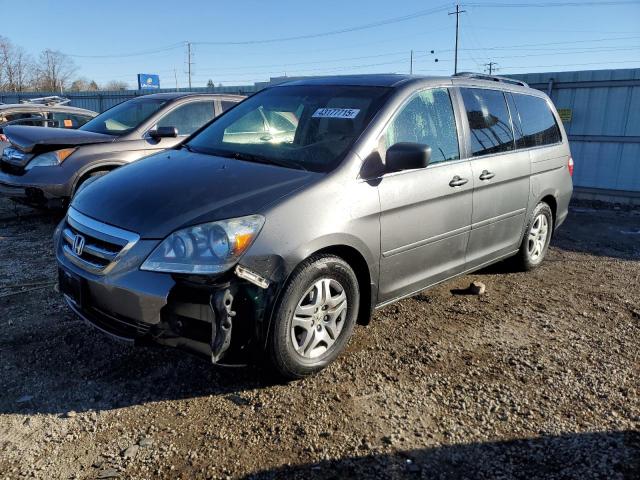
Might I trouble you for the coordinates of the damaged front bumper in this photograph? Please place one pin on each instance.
(220, 317)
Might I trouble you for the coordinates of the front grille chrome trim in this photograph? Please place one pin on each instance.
(122, 240)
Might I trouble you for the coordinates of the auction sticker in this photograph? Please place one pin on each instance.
(348, 113)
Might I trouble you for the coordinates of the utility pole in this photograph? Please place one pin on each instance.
(490, 66)
(175, 76)
(457, 14)
(189, 62)
(411, 64)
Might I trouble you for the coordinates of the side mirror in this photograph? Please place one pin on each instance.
(163, 132)
(407, 156)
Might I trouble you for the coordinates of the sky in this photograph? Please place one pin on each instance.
(238, 43)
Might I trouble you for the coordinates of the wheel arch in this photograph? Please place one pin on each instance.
(93, 168)
(551, 200)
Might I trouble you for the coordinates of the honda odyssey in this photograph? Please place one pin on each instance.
(290, 218)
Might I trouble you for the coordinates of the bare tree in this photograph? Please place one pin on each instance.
(83, 85)
(54, 71)
(16, 67)
(115, 85)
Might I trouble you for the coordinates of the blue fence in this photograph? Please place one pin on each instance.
(99, 101)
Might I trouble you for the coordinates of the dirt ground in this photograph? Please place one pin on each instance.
(540, 377)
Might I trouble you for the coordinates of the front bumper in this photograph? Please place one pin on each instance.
(140, 307)
(41, 186)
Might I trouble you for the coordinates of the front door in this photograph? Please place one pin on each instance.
(425, 213)
(500, 177)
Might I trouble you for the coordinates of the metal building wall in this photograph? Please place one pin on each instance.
(604, 131)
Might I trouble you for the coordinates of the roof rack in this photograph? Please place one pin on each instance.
(493, 78)
(48, 101)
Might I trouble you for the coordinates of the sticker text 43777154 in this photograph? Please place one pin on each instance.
(348, 113)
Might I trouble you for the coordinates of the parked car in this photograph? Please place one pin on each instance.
(45, 167)
(42, 112)
(389, 185)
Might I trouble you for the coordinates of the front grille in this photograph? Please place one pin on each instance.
(92, 245)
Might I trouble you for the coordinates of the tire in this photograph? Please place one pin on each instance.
(305, 345)
(534, 247)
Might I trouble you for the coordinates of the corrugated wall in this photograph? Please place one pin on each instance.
(604, 130)
(102, 100)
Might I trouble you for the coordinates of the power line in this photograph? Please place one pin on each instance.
(551, 4)
(380, 23)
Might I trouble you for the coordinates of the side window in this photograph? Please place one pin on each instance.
(67, 120)
(428, 119)
(189, 117)
(226, 105)
(539, 126)
(489, 121)
(29, 118)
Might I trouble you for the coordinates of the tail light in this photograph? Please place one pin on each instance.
(570, 165)
(3, 138)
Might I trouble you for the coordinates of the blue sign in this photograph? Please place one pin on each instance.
(148, 81)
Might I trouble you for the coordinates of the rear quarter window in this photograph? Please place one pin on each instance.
(539, 126)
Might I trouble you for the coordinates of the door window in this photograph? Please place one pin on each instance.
(489, 121)
(427, 119)
(28, 118)
(189, 117)
(67, 120)
(539, 126)
(226, 105)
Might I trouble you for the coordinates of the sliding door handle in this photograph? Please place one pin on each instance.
(487, 175)
(457, 181)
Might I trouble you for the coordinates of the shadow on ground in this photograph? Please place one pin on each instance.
(570, 456)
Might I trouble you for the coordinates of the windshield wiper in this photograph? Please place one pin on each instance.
(251, 157)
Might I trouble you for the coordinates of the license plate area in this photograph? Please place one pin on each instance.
(72, 285)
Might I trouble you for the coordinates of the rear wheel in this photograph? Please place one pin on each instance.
(314, 317)
(535, 242)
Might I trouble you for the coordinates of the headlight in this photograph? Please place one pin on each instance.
(208, 248)
(50, 159)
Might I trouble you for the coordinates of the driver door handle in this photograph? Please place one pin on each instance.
(457, 181)
(487, 175)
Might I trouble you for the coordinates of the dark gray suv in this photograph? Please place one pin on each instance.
(45, 167)
(294, 215)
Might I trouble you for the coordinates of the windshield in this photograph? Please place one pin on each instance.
(124, 117)
(310, 127)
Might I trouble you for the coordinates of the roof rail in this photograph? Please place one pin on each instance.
(49, 101)
(493, 78)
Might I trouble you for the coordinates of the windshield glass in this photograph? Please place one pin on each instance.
(124, 117)
(310, 127)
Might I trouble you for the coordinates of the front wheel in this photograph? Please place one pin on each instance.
(535, 242)
(314, 318)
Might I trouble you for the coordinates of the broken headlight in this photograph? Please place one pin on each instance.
(207, 248)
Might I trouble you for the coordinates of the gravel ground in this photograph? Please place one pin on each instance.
(539, 377)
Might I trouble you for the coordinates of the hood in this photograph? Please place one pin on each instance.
(39, 139)
(170, 190)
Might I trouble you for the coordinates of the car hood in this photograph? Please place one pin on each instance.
(39, 139)
(170, 190)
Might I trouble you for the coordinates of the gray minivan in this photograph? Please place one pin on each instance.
(278, 241)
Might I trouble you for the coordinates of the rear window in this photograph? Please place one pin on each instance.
(538, 124)
(489, 121)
